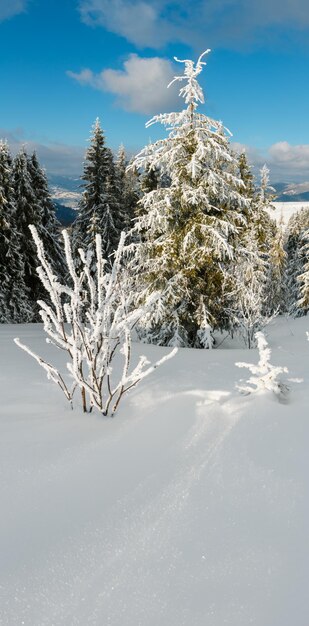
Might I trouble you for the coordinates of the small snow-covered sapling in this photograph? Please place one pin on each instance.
(91, 318)
(265, 376)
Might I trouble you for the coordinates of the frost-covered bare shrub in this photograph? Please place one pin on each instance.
(92, 319)
(265, 376)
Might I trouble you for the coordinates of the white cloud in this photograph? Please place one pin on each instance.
(289, 162)
(141, 86)
(232, 23)
(255, 156)
(135, 20)
(8, 8)
(57, 158)
(295, 157)
(286, 162)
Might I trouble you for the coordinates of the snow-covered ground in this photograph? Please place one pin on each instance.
(189, 508)
(285, 210)
(66, 197)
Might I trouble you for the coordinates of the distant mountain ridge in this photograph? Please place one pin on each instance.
(67, 183)
(292, 192)
(66, 192)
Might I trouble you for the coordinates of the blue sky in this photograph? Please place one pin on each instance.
(63, 63)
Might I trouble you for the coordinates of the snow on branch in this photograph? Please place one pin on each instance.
(265, 376)
(92, 321)
(192, 91)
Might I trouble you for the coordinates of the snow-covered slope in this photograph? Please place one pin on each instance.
(66, 197)
(284, 210)
(189, 508)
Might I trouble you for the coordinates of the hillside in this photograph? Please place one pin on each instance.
(189, 508)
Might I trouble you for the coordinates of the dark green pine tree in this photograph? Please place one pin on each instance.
(28, 211)
(128, 186)
(150, 179)
(303, 279)
(246, 175)
(15, 306)
(99, 209)
(114, 221)
(50, 228)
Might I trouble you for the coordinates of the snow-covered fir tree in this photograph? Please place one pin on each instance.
(150, 179)
(100, 211)
(186, 230)
(276, 271)
(246, 175)
(265, 238)
(303, 279)
(264, 225)
(51, 227)
(28, 211)
(246, 275)
(270, 242)
(128, 187)
(14, 300)
(247, 294)
(296, 260)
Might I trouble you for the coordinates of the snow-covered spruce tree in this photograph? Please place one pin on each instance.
(186, 229)
(91, 320)
(150, 179)
(51, 228)
(128, 187)
(303, 279)
(247, 295)
(246, 176)
(275, 299)
(297, 257)
(264, 225)
(258, 272)
(259, 207)
(269, 244)
(246, 276)
(28, 211)
(270, 238)
(14, 302)
(100, 211)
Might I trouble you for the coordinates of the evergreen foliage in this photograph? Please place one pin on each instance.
(276, 272)
(259, 270)
(296, 260)
(128, 188)
(14, 296)
(150, 180)
(28, 211)
(100, 211)
(187, 229)
(246, 298)
(50, 227)
(303, 279)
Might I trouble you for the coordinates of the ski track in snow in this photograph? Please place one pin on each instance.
(142, 534)
(185, 510)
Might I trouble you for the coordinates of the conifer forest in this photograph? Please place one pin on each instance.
(199, 231)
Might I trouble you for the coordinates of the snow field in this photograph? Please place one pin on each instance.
(189, 508)
(285, 210)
